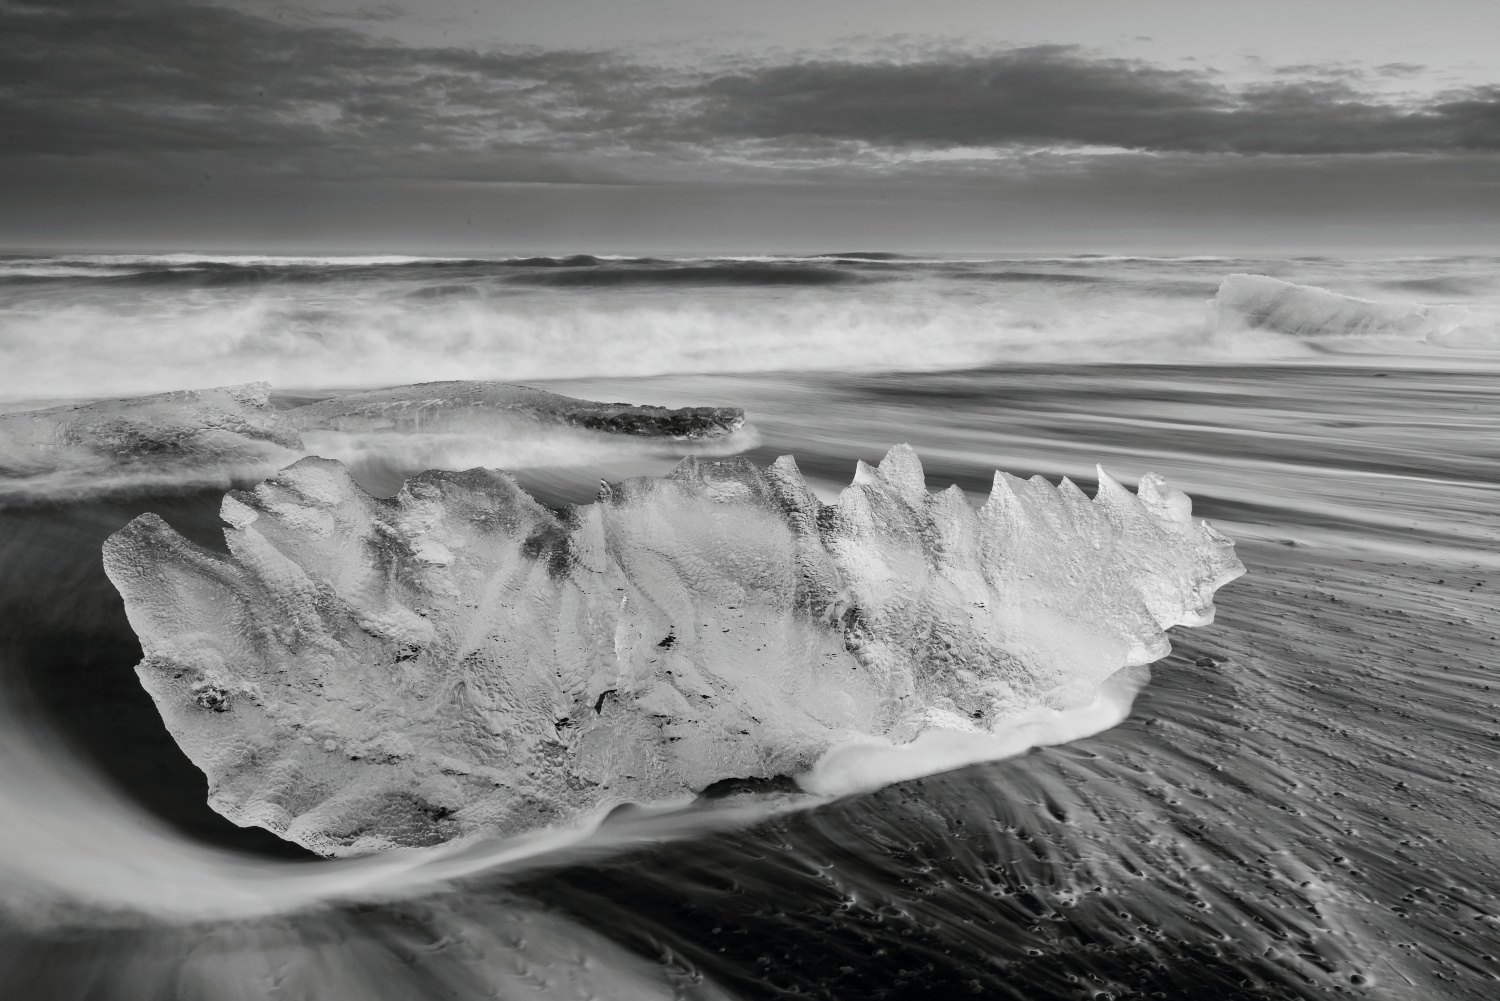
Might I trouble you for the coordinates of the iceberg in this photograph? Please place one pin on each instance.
(358, 674)
(1257, 302)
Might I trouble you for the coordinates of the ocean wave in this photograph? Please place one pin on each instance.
(576, 261)
(1257, 302)
(862, 255)
(376, 321)
(430, 293)
(1179, 287)
(229, 272)
(1136, 258)
(577, 270)
(312, 336)
(47, 270)
(1061, 278)
(746, 273)
(1445, 285)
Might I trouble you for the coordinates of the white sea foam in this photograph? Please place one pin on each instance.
(254, 260)
(73, 849)
(295, 339)
(383, 320)
(55, 269)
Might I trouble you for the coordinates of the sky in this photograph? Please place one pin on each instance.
(667, 126)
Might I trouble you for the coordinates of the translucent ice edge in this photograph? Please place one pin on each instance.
(363, 674)
(867, 764)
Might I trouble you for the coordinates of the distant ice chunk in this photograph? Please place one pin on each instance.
(1257, 302)
(386, 435)
(205, 434)
(217, 436)
(469, 406)
(360, 674)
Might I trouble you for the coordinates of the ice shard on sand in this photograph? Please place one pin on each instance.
(360, 673)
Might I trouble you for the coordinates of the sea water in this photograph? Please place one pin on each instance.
(1302, 801)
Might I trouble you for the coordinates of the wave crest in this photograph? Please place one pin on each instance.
(1258, 302)
(738, 273)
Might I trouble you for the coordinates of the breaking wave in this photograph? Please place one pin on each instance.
(1059, 278)
(744, 273)
(111, 325)
(1258, 302)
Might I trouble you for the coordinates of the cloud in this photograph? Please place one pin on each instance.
(89, 77)
(153, 80)
(1052, 94)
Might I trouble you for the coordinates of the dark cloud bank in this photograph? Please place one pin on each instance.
(86, 77)
(155, 83)
(89, 77)
(1055, 94)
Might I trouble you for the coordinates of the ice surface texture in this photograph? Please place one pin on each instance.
(360, 673)
(1259, 302)
(447, 406)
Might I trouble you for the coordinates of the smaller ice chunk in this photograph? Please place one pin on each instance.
(200, 434)
(218, 436)
(467, 406)
(1258, 302)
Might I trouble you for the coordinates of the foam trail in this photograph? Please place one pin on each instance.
(79, 864)
(73, 850)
